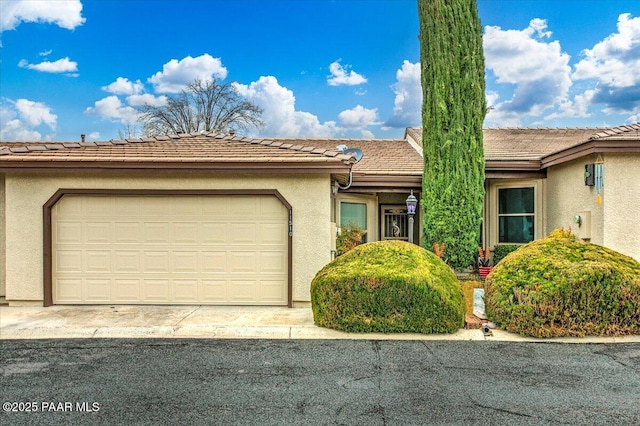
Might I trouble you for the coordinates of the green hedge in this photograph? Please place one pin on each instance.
(388, 287)
(560, 286)
(500, 251)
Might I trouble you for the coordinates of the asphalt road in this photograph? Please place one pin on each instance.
(327, 382)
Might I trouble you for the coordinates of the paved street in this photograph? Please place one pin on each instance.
(309, 382)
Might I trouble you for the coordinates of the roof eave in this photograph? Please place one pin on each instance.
(227, 166)
(594, 146)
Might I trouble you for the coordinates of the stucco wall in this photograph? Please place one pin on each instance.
(567, 196)
(614, 221)
(27, 193)
(2, 239)
(621, 203)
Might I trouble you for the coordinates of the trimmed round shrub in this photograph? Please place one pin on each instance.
(388, 287)
(560, 286)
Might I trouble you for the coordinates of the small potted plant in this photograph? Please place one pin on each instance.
(484, 262)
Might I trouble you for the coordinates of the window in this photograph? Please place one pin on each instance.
(516, 216)
(354, 214)
(395, 223)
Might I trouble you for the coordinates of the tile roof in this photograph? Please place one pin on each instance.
(175, 148)
(381, 156)
(513, 144)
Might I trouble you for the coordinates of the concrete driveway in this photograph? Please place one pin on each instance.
(208, 322)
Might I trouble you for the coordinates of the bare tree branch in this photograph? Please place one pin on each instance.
(207, 106)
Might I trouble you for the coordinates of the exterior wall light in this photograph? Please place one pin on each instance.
(412, 203)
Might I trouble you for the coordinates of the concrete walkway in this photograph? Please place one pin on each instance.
(209, 322)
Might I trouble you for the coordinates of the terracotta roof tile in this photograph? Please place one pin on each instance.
(173, 148)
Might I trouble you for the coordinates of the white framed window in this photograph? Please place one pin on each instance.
(516, 214)
(352, 213)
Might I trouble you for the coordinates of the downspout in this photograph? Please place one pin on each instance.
(350, 179)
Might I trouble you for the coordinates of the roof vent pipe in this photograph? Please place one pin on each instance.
(82, 137)
(232, 132)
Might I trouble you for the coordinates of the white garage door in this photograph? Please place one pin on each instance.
(226, 250)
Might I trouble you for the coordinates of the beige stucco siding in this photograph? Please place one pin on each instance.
(568, 196)
(621, 203)
(614, 221)
(2, 239)
(27, 193)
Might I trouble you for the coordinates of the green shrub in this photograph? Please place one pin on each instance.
(559, 286)
(349, 237)
(500, 251)
(389, 287)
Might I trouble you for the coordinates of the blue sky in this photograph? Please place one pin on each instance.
(318, 68)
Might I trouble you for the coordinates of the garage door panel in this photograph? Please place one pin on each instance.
(272, 233)
(127, 207)
(272, 290)
(214, 290)
(97, 232)
(170, 250)
(273, 262)
(157, 290)
(156, 262)
(69, 289)
(243, 206)
(156, 232)
(98, 289)
(185, 261)
(214, 261)
(243, 233)
(242, 290)
(97, 261)
(68, 261)
(127, 261)
(214, 233)
(242, 262)
(126, 290)
(185, 233)
(68, 232)
(186, 290)
(98, 207)
(127, 232)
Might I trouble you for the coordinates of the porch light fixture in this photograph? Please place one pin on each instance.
(412, 203)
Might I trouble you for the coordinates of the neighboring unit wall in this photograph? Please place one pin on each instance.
(2, 239)
(26, 194)
(621, 202)
(568, 196)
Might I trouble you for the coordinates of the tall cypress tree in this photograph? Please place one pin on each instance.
(453, 111)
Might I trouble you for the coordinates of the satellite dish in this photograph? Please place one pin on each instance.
(355, 153)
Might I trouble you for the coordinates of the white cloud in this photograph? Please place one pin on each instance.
(63, 13)
(94, 135)
(576, 108)
(407, 109)
(176, 74)
(614, 63)
(279, 113)
(64, 65)
(123, 86)
(147, 99)
(111, 107)
(342, 76)
(20, 118)
(367, 134)
(358, 117)
(46, 52)
(36, 113)
(539, 70)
